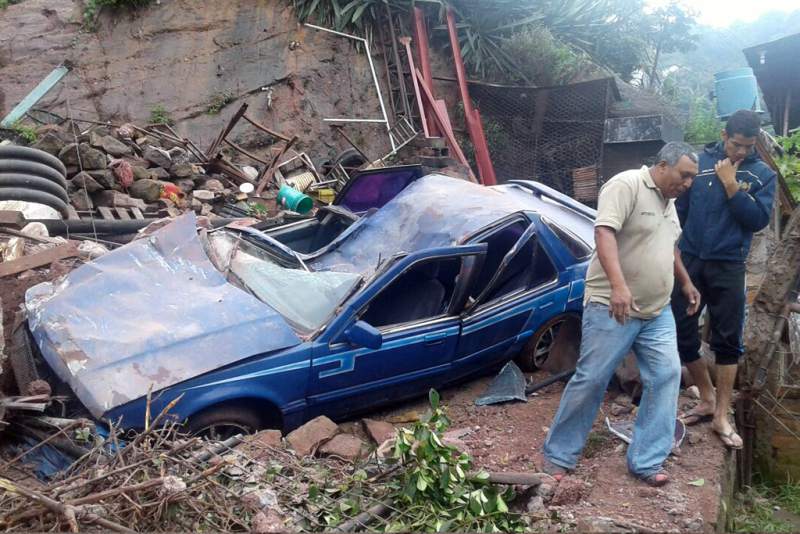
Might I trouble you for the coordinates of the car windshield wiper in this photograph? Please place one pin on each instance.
(284, 251)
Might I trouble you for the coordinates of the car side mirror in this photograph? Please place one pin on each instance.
(363, 334)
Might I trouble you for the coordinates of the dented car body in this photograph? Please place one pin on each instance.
(374, 300)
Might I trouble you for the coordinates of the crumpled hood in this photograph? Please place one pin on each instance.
(148, 315)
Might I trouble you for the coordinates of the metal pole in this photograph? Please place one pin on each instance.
(421, 37)
(374, 76)
(406, 41)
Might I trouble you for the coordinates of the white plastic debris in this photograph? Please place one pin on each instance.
(251, 172)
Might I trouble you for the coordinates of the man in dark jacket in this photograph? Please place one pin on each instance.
(731, 198)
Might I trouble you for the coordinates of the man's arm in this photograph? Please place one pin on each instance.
(685, 283)
(751, 210)
(608, 254)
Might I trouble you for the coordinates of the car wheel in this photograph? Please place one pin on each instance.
(225, 422)
(539, 349)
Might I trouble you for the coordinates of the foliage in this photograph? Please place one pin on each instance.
(92, 8)
(159, 115)
(755, 510)
(789, 162)
(703, 126)
(436, 489)
(544, 60)
(26, 132)
(219, 101)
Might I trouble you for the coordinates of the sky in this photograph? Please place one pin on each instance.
(722, 13)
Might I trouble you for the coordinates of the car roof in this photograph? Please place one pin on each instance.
(437, 211)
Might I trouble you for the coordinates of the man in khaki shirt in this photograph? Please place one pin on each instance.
(626, 306)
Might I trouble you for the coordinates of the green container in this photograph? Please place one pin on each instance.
(292, 199)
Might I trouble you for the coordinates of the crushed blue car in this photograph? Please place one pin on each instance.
(408, 282)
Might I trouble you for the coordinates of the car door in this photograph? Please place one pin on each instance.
(419, 322)
(523, 289)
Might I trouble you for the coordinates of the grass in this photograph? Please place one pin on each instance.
(159, 115)
(595, 443)
(219, 101)
(755, 510)
(26, 132)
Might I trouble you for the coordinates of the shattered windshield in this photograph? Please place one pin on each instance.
(304, 298)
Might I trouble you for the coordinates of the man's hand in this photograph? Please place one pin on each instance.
(621, 303)
(726, 172)
(692, 297)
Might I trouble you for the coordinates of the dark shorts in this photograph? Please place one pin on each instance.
(722, 287)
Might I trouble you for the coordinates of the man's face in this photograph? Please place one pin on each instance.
(677, 178)
(737, 146)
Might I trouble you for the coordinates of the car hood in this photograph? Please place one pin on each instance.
(146, 316)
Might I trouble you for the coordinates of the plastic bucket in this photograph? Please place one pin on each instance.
(736, 89)
(292, 199)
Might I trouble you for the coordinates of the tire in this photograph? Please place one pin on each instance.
(536, 352)
(34, 183)
(224, 422)
(32, 154)
(32, 168)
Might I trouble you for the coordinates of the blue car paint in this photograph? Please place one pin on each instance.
(326, 376)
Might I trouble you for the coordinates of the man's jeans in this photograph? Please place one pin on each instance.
(604, 345)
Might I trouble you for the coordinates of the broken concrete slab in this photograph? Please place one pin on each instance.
(378, 431)
(268, 438)
(203, 195)
(345, 446)
(307, 438)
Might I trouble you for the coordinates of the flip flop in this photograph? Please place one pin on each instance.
(691, 419)
(727, 439)
(655, 480)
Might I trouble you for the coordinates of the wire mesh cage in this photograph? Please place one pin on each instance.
(553, 135)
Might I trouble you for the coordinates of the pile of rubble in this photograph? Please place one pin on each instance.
(130, 167)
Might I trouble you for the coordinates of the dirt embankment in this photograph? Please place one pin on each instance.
(191, 58)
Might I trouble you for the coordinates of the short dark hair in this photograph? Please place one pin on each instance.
(744, 122)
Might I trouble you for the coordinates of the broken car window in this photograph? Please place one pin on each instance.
(305, 299)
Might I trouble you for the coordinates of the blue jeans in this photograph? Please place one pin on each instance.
(604, 344)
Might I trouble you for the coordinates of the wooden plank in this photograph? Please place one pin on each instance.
(106, 213)
(137, 213)
(123, 214)
(265, 129)
(67, 250)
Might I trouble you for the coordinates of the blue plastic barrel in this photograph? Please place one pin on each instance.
(736, 89)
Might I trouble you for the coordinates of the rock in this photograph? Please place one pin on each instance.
(186, 185)
(545, 491)
(386, 449)
(695, 437)
(105, 178)
(90, 158)
(50, 143)
(618, 409)
(344, 446)
(159, 173)
(157, 157)
(648, 492)
(260, 499)
(311, 435)
(171, 485)
(126, 131)
(146, 189)
(84, 181)
(597, 524)
(115, 199)
(268, 438)
(250, 172)
(536, 505)
(693, 525)
(378, 431)
(182, 170)
(693, 392)
(81, 201)
(140, 173)
(206, 210)
(110, 145)
(196, 205)
(39, 387)
(213, 185)
(269, 521)
(203, 195)
(569, 491)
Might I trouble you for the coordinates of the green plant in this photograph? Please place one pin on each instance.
(703, 126)
(755, 509)
(28, 133)
(219, 101)
(159, 115)
(437, 491)
(789, 162)
(92, 8)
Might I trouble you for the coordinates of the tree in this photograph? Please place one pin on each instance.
(672, 31)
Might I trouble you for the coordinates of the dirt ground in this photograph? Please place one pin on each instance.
(509, 437)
